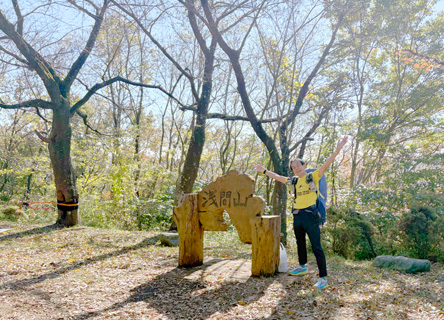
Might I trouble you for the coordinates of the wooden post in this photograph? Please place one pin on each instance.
(265, 245)
(190, 231)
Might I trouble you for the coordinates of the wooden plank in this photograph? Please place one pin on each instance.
(190, 232)
(265, 245)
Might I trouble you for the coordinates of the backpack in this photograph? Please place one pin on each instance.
(321, 201)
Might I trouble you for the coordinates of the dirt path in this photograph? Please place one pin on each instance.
(86, 273)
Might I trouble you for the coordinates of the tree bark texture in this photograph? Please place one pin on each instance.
(265, 245)
(190, 170)
(190, 230)
(280, 208)
(65, 179)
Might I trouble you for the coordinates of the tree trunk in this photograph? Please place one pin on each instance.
(354, 161)
(280, 208)
(358, 138)
(137, 117)
(28, 186)
(186, 179)
(5, 176)
(191, 166)
(59, 149)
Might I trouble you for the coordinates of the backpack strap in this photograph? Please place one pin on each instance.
(321, 193)
(294, 181)
(312, 184)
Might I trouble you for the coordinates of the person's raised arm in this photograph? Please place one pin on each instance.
(330, 160)
(271, 174)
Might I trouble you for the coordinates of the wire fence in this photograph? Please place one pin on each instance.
(30, 205)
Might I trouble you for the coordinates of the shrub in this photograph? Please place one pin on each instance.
(436, 237)
(156, 214)
(11, 213)
(350, 234)
(422, 232)
(406, 212)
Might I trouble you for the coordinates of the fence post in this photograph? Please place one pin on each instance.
(266, 234)
(186, 216)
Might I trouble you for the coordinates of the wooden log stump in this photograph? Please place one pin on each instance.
(265, 245)
(190, 231)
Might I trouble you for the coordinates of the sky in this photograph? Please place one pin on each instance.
(440, 5)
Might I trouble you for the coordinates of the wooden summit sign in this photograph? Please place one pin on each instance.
(233, 193)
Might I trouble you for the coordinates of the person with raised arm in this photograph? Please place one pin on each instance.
(305, 212)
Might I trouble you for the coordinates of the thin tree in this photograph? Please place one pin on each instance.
(202, 99)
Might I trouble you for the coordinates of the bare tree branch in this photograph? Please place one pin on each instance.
(77, 65)
(313, 128)
(161, 48)
(216, 33)
(82, 9)
(99, 86)
(251, 26)
(235, 23)
(40, 115)
(93, 4)
(234, 58)
(85, 122)
(19, 17)
(408, 51)
(191, 7)
(14, 56)
(15, 64)
(41, 136)
(223, 116)
(36, 61)
(304, 90)
(233, 9)
(194, 26)
(37, 103)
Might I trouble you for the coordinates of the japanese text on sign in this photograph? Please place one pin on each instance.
(223, 199)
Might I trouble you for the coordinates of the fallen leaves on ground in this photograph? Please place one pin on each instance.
(86, 273)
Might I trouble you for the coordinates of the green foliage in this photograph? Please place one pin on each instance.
(350, 234)
(436, 238)
(33, 216)
(115, 200)
(24, 159)
(404, 214)
(4, 196)
(10, 213)
(421, 232)
(157, 212)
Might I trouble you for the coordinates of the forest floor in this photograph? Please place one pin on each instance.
(86, 273)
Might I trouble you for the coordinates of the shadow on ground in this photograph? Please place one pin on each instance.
(40, 230)
(182, 293)
(21, 284)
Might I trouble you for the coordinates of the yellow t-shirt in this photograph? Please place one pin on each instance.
(305, 197)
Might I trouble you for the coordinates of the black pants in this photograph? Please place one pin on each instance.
(304, 223)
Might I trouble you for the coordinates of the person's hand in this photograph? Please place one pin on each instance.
(341, 144)
(258, 167)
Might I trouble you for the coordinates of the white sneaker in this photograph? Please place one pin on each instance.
(298, 271)
(321, 284)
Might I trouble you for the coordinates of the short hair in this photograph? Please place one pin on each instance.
(302, 162)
